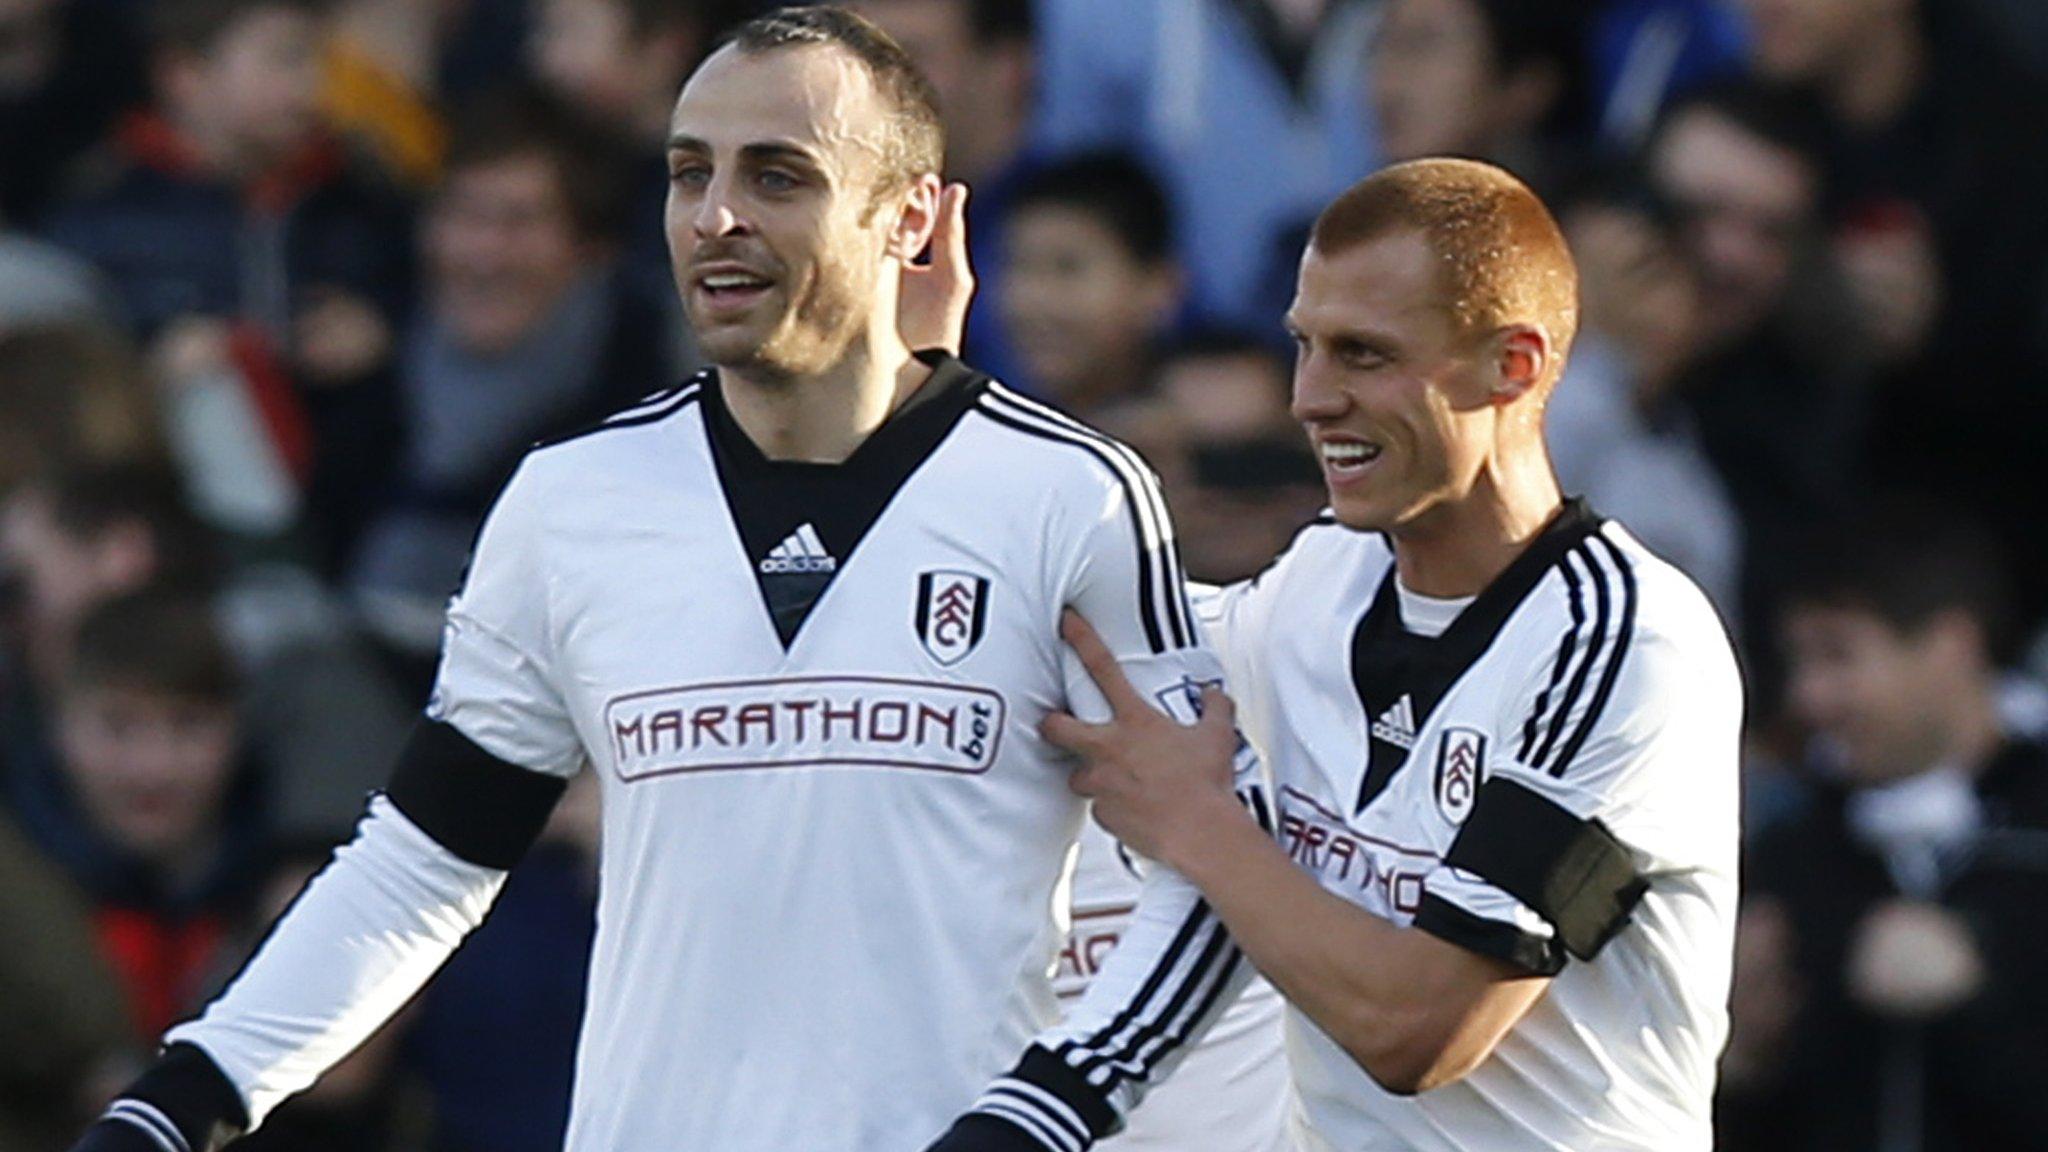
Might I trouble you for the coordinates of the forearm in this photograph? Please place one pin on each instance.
(1345, 968)
(362, 939)
(1173, 972)
(366, 935)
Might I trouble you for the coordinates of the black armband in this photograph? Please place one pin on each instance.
(184, 1103)
(1502, 941)
(1573, 872)
(477, 806)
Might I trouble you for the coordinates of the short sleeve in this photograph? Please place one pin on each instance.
(1614, 765)
(1126, 580)
(496, 680)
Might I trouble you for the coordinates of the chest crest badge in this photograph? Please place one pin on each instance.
(1460, 767)
(952, 614)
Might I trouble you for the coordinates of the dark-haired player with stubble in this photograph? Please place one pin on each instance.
(1502, 735)
(799, 616)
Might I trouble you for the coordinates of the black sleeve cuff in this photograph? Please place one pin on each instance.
(477, 806)
(1505, 942)
(1040, 1104)
(187, 1089)
(113, 1134)
(981, 1132)
(1573, 872)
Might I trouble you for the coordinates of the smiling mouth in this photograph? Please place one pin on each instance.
(1345, 457)
(732, 287)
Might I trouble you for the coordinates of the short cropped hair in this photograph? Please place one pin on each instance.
(915, 144)
(1112, 188)
(161, 641)
(1501, 256)
(1905, 559)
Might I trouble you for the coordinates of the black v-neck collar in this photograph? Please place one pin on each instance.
(1401, 676)
(800, 523)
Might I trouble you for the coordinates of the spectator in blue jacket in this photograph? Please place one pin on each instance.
(243, 240)
(1251, 111)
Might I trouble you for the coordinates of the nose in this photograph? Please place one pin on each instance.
(1316, 394)
(715, 216)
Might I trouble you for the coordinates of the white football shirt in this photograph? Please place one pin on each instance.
(1590, 683)
(832, 833)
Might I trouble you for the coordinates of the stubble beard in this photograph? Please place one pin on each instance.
(826, 315)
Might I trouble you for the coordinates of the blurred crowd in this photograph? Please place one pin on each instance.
(286, 288)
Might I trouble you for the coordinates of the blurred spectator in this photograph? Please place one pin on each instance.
(1647, 52)
(69, 542)
(1618, 428)
(66, 70)
(1936, 170)
(1250, 110)
(982, 58)
(1091, 281)
(1894, 993)
(320, 713)
(526, 331)
(1496, 80)
(65, 1043)
(622, 62)
(380, 82)
(1229, 385)
(261, 263)
(74, 540)
(1243, 481)
(153, 812)
(226, 198)
(1778, 391)
(619, 65)
(71, 395)
(486, 48)
(41, 283)
(500, 1080)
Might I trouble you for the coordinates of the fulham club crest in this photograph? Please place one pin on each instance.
(1460, 765)
(952, 613)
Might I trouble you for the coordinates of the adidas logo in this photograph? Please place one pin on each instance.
(800, 552)
(1397, 724)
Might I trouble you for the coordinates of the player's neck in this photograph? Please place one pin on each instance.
(823, 418)
(1459, 548)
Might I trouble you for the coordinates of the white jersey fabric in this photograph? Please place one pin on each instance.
(1590, 682)
(832, 832)
(1229, 1094)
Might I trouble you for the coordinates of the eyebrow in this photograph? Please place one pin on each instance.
(1379, 342)
(764, 151)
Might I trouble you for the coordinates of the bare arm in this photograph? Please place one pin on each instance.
(1415, 1011)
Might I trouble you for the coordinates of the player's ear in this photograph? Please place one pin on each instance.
(917, 215)
(1523, 356)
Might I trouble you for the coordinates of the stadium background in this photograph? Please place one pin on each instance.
(286, 287)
